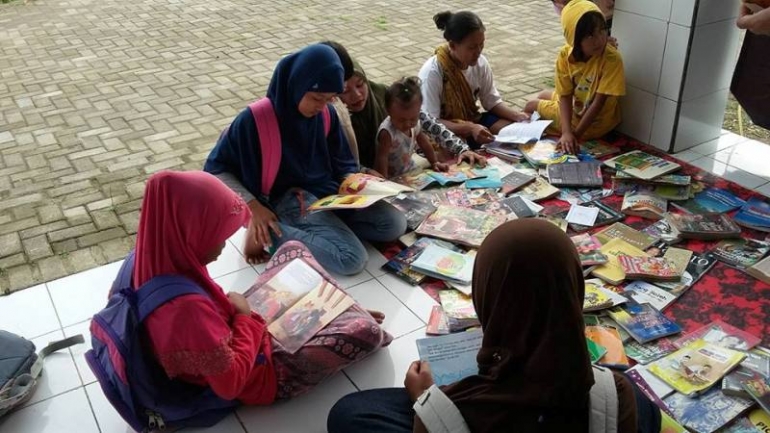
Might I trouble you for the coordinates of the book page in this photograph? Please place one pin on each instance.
(451, 357)
(365, 184)
(523, 132)
(279, 293)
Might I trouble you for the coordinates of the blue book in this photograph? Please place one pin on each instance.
(754, 214)
(452, 357)
(711, 201)
(491, 179)
(643, 322)
(707, 413)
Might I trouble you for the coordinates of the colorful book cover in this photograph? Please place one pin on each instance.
(490, 178)
(757, 421)
(648, 352)
(697, 267)
(732, 383)
(598, 149)
(642, 292)
(612, 271)
(510, 207)
(438, 322)
(451, 357)
(644, 322)
(445, 264)
(607, 322)
(669, 179)
(582, 195)
(741, 253)
(610, 340)
(462, 197)
(515, 180)
(358, 191)
(457, 304)
(754, 214)
(761, 270)
(417, 180)
(679, 258)
(400, 265)
(711, 201)
(588, 248)
(666, 192)
(538, 190)
(415, 211)
(456, 174)
(607, 215)
(464, 226)
(576, 174)
(721, 334)
(705, 227)
(644, 380)
(597, 297)
(696, 367)
(707, 413)
(595, 351)
(284, 289)
(506, 151)
(634, 237)
(663, 230)
(642, 165)
(433, 197)
(649, 268)
(644, 205)
(759, 361)
(542, 153)
(559, 222)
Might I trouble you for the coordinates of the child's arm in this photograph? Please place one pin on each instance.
(383, 150)
(430, 154)
(567, 142)
(590, 115)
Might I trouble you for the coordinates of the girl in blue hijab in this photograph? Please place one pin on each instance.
(312, 166)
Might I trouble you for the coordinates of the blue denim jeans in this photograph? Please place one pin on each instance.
(333, 236)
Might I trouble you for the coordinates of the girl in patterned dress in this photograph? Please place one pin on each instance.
(401, 132)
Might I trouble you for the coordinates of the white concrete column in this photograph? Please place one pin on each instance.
(679, 57)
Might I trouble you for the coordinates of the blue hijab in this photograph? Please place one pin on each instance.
(310, 159)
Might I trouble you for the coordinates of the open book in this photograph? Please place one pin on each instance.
(358, 191)
(451, 357)
(297, 303)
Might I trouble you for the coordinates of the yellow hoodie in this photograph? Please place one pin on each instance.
(583, 80)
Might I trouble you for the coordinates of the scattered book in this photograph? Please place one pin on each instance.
(457, 304)
(711, 201)
(721, 334)
(595, 351)
(582, 195)
(415, 211)
(648, 352)
(582, 215)
(607, 322)
(642, 165)
(358, 191)
(663, 230)
(621, 231)
(401, 264)
(652, 387)
(464, 226)
(611, 341)
(445, 264)
(649, 268)
(408, 239)
(679, 258)
(697, 267)
(612, 271)
(598, 298)
(538, 190)
(696, 367)
(416, 180)
(543, 153)
(708, 413)
(296, 303)
(456, 174)
(755, 421)
(588, 248)
(705, 227)
(514, 181)
(433, 197)
(557, 221)
(643, 322)
(490, 178)
(755, 214)
(644, 205)
(577, 174)
(441, 324)
(523, 132)
(761, 270)
(598, 149)
(758, 387)
(607, 215)
(511, 207)
(642, 292)
(506, 151)
(741, 253)
(451, 357)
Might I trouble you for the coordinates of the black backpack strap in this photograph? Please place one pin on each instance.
(162, 289)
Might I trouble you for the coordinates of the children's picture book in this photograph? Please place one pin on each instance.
(489, 178)
(649, 268)
(505, 151)
(415, 211)
(607, 215)
(621, 231)
(400, 265)
(721, 334)
(707, 413)
(757, 362)
(514, 181)
(648, 352)
(462, 197)
(595, 351)
(358, 191)
(537, 190)
(696, 367)
(457, 304)
(644, 205)
(756, 421)
(417, 180)
(644, 322)
(451, 357)
(464, 226)
(609, 338)
(755, 214)
(441, 324)
(445, 264)
(705, 227)
(598, 149)
(543, 152)
(296, 303)
(612, 271)
(642, 165)
(664, 230)
(741, 253)
(589, 249)
(598, 298)
(607, 322)
(576, 174)
(523, 132)
(711, 201)
(642, 293)
(697, 267)
(456, 174)
(679, 258)
(758, 388)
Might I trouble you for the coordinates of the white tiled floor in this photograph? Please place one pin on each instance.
(69, 400)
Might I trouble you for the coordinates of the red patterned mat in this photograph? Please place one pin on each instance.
(724, 293)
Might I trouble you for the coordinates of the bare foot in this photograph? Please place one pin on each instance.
(254, 253)
(379, 316)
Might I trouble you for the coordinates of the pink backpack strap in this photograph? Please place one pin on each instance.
(269, 140)
(327, 120)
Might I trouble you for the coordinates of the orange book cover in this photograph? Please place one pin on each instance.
(610, 339)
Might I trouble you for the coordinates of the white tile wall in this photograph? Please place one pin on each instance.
(659, 9)
(638, 108)
(710, 11)
(682, 12)
(642, 56)
(663, 124)
(674, 57)
(700, 120)
(712, 60)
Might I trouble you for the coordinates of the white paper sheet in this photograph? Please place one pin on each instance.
(523, 132)
(583, 215)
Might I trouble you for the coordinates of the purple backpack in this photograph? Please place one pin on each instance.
(133, 381)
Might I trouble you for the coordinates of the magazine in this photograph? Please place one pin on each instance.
(696, 367)
(400, 265)
(612, 271)
(445, 264)
(634, 237)
(741, 253)
(451, 357)
(588, 248)
(415, 211)
(721, 334)
(642, 165)
(296, 303)
(358, 191)
(609, 338)
(463, 226)
(642, 293)
(644, 205)
(648, 352)
(708, 413)
(705, 227)
(644, 322)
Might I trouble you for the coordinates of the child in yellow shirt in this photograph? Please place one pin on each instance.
(589, 79)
